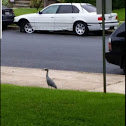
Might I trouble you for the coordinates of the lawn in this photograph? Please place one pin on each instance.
(121, 14)
(33, 106)
(20, 11)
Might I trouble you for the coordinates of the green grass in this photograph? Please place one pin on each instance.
(20, 11)
(121, 14)
(32, 106)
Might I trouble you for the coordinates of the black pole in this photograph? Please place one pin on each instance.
(0, 21)
(103, 28)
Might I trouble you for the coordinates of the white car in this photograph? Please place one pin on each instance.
(77, 17)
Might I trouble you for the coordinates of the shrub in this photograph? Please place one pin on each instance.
(5, 2)
(116, 4)
(36, 3)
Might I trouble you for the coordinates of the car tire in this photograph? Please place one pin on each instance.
(26, 27)
(4, 27)
(99, 33)
(80, 28)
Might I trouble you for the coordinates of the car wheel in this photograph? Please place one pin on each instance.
(4, 27)
(26, 27)
(80, 28)
(99, 33)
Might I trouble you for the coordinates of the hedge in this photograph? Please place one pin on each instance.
(5, 2)
(116, 4)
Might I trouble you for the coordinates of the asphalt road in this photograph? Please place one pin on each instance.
(60, 51)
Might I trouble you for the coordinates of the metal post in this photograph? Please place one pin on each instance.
(103, 28)
(0, 20)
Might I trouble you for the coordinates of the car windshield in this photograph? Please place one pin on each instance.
(89, 8)
(120, 29)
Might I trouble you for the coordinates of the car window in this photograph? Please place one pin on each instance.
(89, 8)
(120, 29)
(65, 9)
(75, 9)
(121, 34)
(50, 9)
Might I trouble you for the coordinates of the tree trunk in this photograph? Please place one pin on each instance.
(45, 3)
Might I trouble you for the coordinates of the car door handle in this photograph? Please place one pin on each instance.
(52, 17)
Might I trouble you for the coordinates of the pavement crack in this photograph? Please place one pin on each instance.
(115, 83)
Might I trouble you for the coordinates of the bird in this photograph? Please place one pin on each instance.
(50, 82)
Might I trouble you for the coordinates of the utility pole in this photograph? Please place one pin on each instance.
(103, 37)
(0, 20)
(104, 7)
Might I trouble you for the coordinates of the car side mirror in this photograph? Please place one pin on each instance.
(40, 12)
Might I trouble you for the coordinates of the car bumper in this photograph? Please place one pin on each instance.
(7, 20)
(113, 58)
(98, 26)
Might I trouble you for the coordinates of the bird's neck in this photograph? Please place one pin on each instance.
(47, 73)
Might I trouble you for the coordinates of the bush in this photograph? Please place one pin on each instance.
(5, 2)
(36, 3)
(116, 4)
(81, 1)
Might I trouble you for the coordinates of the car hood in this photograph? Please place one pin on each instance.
(25, 16)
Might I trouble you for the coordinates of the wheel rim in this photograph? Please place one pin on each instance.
(28, 28)
(80, 29)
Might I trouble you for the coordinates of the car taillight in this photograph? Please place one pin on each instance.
(100, 18)
(109, 45)
(116, 17)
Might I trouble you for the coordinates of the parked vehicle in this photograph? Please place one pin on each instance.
(117, 48)
(77, 17)
(7, 16)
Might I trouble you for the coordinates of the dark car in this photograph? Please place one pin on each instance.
(117, 48)
(7, 16)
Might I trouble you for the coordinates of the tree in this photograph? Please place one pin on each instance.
(45, 3)
(36, 3)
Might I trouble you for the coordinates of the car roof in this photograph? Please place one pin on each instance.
(121, 28)
(71, 3)
(3, 7)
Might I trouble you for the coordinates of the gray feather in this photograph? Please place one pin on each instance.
(50, 82)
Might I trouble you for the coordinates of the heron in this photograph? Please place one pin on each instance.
(50, 82)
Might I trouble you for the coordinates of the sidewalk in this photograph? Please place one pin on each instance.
(64, 79)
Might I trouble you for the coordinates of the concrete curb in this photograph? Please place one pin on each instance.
(68, 80)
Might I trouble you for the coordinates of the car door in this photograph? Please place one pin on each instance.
(44, 20)
(65, 17)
